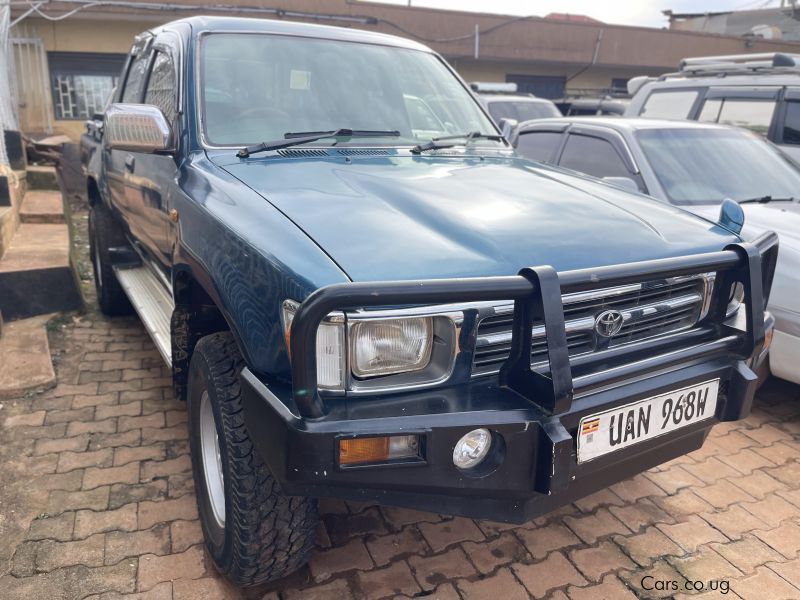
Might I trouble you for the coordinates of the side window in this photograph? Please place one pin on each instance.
(791, 126)
(669, 104)
(749, 113)
(593, 156)
(161, 86)
(539, 145)
(133, 85)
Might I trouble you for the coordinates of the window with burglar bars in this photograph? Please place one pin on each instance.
(82, 82)
(80, 96)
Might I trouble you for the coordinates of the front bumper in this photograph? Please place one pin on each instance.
(537, 471)
(533, 414)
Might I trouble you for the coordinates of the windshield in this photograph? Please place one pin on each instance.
(522, 110)
(702, 166)
(258, 87)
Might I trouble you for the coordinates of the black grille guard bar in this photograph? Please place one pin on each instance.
(536, 292)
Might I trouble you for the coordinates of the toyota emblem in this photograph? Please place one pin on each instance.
(608, 323)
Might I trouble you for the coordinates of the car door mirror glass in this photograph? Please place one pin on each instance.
(507, 127)
(626, 183)
(137, 128)
(731, 216)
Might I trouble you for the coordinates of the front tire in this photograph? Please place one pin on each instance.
(253, 532)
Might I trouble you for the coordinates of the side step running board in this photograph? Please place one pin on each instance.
(152, 302)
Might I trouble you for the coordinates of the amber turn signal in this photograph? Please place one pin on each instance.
(378, 449)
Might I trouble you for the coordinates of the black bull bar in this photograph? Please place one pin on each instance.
(536, 292)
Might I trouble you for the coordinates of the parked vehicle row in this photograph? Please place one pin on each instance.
(503, 102)
(364, 293)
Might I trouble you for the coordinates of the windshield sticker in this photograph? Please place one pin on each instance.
(299, 80)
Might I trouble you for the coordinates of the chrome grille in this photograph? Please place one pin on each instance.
(648, 310)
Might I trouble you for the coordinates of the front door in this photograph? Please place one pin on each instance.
(156, 174)
(140, 182)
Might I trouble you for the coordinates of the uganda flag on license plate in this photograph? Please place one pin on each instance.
(590, 426)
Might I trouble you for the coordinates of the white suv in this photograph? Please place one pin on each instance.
(758, 91)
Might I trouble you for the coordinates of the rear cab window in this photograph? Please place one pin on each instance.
(669, 104)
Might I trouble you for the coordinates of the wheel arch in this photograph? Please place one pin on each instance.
(197, 314)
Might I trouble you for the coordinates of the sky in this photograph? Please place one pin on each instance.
(624, 12)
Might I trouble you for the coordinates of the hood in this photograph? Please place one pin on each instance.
(410, 217)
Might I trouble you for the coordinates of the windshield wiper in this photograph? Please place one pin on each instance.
(298, 138)
(765, 200)
(468, 137)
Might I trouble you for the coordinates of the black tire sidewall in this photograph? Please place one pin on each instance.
(104, 233)
(94, 244)
(267, 534)
(200, 380)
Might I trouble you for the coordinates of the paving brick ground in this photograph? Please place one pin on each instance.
(98, 501)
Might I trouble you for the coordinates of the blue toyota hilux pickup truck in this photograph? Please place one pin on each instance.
(363, 293)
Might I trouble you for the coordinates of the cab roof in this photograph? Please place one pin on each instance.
(208, 24)
(624, 124)
(514, 97)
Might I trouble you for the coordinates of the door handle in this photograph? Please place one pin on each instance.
(130, 162)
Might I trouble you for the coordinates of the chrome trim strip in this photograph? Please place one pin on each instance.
(504, 308)
(504, 337)
(718, 343)
(543, 366)
(596, 294)
(586, 324)
(566, 299)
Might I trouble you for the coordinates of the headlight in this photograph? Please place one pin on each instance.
(360, 353)
(390, 346)
(735, 300)
(330, 347)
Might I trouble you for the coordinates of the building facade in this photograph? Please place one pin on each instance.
(777, 23)
(65, 69)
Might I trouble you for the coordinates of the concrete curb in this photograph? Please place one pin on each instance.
(25, 362)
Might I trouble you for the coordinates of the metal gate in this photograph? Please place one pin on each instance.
(30, 87)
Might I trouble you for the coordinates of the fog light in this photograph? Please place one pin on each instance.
(357, 451)
(471, 449)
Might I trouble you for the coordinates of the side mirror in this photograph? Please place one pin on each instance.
(507, 127)
(731, 216)
(626, 183)
(137, 128)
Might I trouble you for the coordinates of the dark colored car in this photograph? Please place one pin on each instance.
(582, 106)
(363, 293)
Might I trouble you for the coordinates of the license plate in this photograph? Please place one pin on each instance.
(622, 427)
